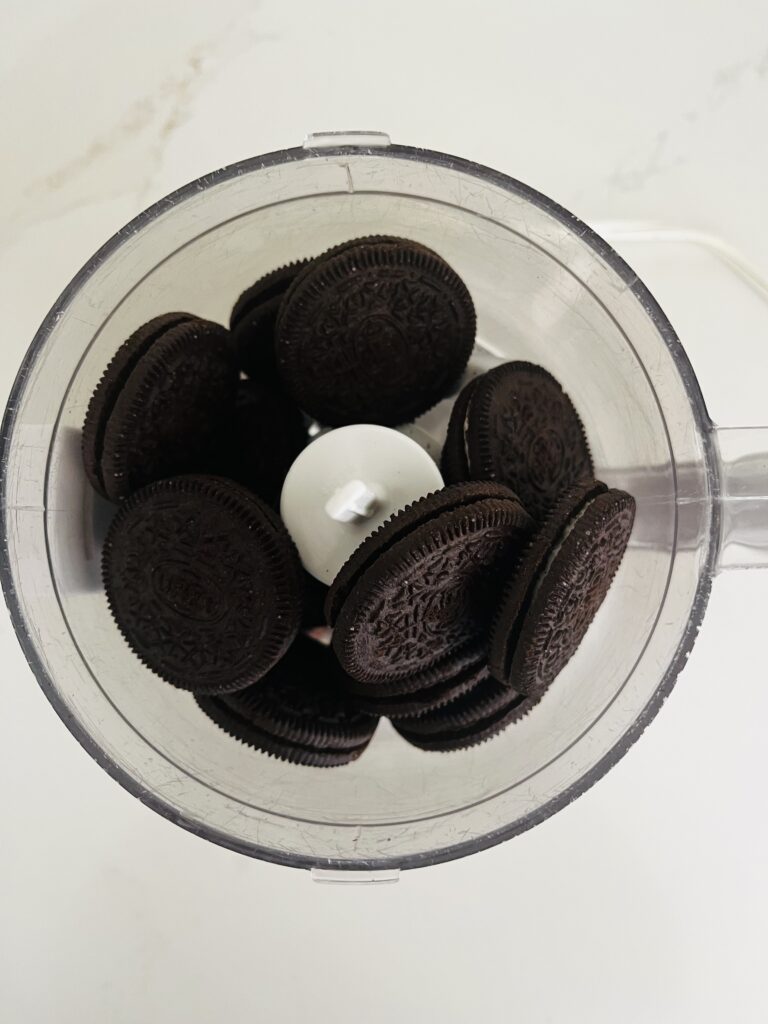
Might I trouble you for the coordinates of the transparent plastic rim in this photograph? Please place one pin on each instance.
(684, 369)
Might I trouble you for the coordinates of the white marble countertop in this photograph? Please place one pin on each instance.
(647, 899)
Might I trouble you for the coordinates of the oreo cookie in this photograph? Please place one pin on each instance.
(299, 712)
(253, 320)
(559, 585)
(159, 407)
(399, 526)
(203, 582)
(368, 240)
(517, 426)
(477, 716)
(425, 601)
(110, 385)
(375, 332)
(266, 433)
(254, 315)
(454, 464)
(443, 685)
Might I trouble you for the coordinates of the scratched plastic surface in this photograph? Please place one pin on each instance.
(546, 290)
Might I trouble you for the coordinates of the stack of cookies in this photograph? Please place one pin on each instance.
(453, 618)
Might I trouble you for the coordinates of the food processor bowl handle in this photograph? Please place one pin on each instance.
(743, 498)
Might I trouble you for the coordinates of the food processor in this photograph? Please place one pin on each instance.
(547, 289)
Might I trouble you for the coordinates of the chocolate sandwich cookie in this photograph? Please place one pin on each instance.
(516, 425)
(299, 711)
(477, 716)
(253, 320)
(427, 598)
(400, 525)
(558, 586)
(254, 315)
(375, 333)
(440, 687)
(357, 245)
(110, 385)
(266, 433)
(203, 582)
(157, 410)
(368, 240)
(454, 464)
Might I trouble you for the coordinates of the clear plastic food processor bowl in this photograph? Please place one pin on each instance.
(546, 289)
